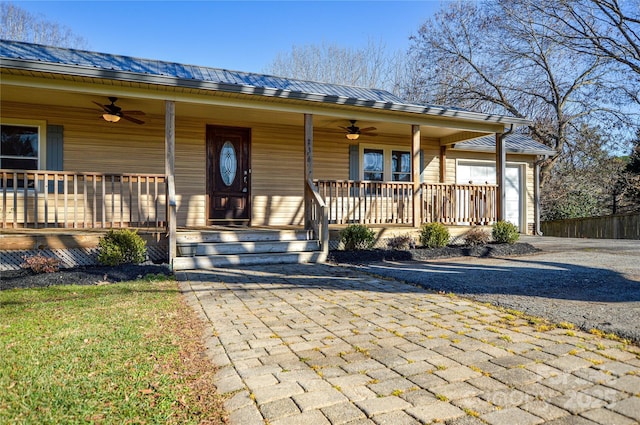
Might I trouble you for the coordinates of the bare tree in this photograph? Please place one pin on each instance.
(20, 25)
(501, 57)
(369, 66)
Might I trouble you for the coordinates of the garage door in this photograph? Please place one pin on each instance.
(485, 173)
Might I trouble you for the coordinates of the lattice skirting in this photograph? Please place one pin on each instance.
(69, 257)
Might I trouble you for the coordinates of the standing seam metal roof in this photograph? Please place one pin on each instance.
(514, 143)
(105, 61)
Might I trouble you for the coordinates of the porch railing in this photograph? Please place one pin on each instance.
(367, 202)
(459, 203)
(42, 199)
(319, 218)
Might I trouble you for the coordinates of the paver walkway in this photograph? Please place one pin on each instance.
(319, 344)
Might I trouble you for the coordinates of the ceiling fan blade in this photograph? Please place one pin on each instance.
(133, 112)
(367, 129)
(369, 134)
(103, 107)
(134, 120)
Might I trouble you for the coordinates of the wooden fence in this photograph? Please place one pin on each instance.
(619, 226)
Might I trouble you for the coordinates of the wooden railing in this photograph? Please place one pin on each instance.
(36, 199)
(367, 202)
(459, 203)
(319, 218)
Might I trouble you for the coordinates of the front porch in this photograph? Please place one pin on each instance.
(66, 213)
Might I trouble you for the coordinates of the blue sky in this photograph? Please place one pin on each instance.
(238, 35)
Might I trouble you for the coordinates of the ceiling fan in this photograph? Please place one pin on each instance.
(354, 132)
(113, 113)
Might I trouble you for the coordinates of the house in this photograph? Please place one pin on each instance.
(93, 140)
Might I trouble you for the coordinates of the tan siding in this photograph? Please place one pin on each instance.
(277, 163)
(431, 152)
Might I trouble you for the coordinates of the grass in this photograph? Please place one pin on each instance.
(109, 354)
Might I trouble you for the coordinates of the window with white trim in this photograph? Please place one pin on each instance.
(19, 147)
(385, 163)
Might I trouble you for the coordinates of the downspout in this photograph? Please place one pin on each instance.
(501, 160)
(536, 194)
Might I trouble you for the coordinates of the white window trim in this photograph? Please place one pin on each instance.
(386, 157)
(41, 125)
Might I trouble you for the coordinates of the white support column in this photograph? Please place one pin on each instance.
(308, 167)
(169, 170)
(415, 174)
(501, 161)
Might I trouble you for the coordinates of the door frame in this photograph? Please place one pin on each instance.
(522, 194)
(209, 180)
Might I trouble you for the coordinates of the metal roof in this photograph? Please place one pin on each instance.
(35, 57)
(514, 143)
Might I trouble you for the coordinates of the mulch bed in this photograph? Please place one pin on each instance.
(79, 275)
(423, 254)
(105, 274)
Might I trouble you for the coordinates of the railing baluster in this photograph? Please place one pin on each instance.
(46, 200)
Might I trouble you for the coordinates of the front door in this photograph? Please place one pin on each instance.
(228, 174)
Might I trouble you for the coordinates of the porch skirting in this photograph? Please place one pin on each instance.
(70, 257)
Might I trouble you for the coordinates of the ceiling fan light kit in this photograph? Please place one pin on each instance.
(354, 132)
(113, 113)
(110, 117)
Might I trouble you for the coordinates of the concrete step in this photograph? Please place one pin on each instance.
(213, 261)
(256, 247)
(244, 235)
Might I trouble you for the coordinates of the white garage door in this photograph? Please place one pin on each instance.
(485, 173)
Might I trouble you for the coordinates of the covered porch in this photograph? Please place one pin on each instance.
(244, 149)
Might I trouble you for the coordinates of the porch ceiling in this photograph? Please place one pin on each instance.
(77, 97)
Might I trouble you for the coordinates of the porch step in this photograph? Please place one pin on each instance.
(213, 261)
(226, 248)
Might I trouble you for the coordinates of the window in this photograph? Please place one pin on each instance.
(373, 164)
(400, 166)
(19, 147)
(379, 163)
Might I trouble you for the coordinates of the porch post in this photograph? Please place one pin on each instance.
(308, 168)
(415, 168)
(443, 164)
(501, 160)
(169, 169)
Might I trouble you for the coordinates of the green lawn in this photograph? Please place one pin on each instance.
(118, 353)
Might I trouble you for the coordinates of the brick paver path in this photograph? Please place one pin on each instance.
(318, 344)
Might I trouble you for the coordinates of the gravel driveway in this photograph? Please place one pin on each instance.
(591, 283)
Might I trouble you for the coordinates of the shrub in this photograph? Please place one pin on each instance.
(40, 264)
(357, 236)
(401, 242)
(505, 232)
(434, 235)
(121, 247)
(476, 236)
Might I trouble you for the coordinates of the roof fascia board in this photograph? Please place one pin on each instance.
(250, 90)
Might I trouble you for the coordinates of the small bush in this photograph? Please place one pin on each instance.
(40, 264)
(476, 236)
(401, 242)
(505, 232)
(434, 235)
(357, 236)
(121, 247)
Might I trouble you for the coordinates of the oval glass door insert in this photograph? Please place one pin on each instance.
(228, 163)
